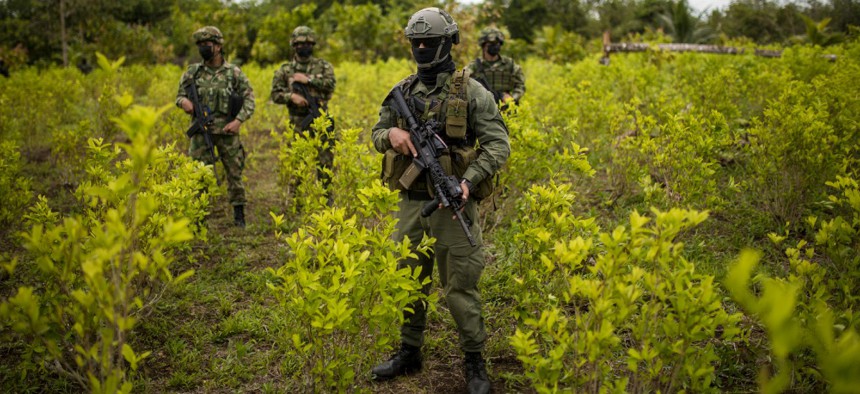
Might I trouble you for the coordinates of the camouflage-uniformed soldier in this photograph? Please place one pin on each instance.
(470, 118)
(318, 77)
(216, 81)
(499, 73)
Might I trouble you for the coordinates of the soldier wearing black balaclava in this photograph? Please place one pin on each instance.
(467, 117)
(498, 73)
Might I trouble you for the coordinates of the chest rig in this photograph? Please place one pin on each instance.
(220, 94)
(501, 78)
(450, 110)
(449, 107)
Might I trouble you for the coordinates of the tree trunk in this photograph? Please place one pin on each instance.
(63, 33)
(640, 47)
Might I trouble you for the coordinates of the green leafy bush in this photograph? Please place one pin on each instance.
(342, 289)
(14, 188)
(629, 295)
(95, 275)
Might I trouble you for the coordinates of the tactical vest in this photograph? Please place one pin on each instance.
(501, 79)
(450, 108)
(215, 92)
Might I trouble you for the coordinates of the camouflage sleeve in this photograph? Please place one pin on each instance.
(473, 67)
(379, 135)
(280, 88)
(519, 82)
(491, 131)
(182, 81)
(248, 92)
(325, 81)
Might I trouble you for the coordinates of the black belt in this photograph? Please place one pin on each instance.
(418, 195)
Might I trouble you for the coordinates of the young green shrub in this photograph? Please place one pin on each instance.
(530, 245)
(297, 170)
(794, 149)
(798, 322)
(631, 314)
(97, 274)
(342, 289)
(14, 188)
(355, 167)
(812, 308)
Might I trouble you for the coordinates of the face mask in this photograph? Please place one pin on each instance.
(493, 49)
(304, 50)
(424, 55)
(206, 52)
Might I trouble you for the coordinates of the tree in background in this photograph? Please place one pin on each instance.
(69, 32)
(683, 26)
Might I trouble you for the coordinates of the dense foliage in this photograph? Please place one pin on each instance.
(70, 32)
(616, 239)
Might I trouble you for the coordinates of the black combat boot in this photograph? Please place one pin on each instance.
(239, 215)
(476, 374)
(407, 360)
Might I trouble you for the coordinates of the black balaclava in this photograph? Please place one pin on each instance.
(427, 55)
(494, 48)
(206, 52)
(305, 51)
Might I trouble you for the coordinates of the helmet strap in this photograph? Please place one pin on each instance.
(446, 43)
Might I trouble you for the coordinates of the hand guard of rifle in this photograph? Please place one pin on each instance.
(429, 145)
(201, 123)
(314, 107)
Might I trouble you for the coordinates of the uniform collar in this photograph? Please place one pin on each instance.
(215, 70)
(441, 78)
(500, 60)
(307, 61)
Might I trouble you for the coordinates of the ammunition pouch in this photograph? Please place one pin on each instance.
(394, 166)
(456, 112)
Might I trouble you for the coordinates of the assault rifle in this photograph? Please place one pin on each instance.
(430, 146)
(201, 122)
(313, 106)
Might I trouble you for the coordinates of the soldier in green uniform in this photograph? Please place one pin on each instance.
(478, 146)
(499, 73)
(216, 81)
(317, 76)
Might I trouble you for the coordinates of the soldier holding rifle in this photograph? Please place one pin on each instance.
(225, 101)
(452, 117)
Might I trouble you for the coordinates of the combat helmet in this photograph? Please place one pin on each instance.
(303, 34)
(208, 33)
(434, 22)
(490, 34)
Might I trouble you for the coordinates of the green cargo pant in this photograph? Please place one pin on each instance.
(460, 266)
(232, 154)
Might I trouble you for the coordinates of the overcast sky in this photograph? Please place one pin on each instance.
(701, 5)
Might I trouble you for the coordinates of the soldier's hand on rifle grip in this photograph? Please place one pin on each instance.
(297, 99)
(465, 187)
(233, 127)
(401, 142)
(301, 78)
(187, 105)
